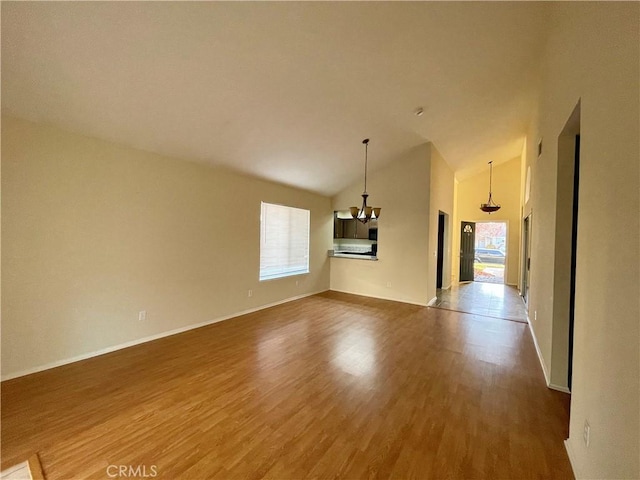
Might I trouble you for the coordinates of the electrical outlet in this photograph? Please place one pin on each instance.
(388, 284)
(142, 315)
(586, 434)
(535, 314)
(250, 293)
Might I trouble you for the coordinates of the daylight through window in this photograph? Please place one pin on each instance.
(284, 241)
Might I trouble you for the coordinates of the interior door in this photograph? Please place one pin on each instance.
(467, 250)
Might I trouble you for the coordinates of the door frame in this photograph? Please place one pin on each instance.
(443, 262)
(506, 244)
(525, 281)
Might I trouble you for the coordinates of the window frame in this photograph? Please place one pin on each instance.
(290, 268)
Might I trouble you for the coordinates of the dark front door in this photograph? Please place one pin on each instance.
(467, 250)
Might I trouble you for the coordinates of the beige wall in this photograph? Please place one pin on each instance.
(93, 233)
(401, 272)
(473, 191)
(592, 56)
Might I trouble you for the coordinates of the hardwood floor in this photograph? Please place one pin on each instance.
(332, 385)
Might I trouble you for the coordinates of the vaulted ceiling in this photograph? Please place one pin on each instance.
(285, 91)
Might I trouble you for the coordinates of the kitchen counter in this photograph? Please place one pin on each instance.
(354, 255)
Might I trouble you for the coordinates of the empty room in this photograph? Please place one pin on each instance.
(295, 240)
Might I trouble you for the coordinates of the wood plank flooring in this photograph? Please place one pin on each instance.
(332, 385)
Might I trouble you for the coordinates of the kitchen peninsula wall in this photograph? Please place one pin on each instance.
(401, 188)
(411, 190)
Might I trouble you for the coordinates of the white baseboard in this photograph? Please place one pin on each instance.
(567, 447)
(559, 388)
(150, 338)
(379, 297)
(550, 385)
(432, 301)
(535, 343)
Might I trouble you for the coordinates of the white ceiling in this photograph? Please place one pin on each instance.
(285, 91)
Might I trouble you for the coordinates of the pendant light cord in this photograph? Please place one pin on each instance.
(366, 159)
(490, 206)
(365, 213)
(490, 175)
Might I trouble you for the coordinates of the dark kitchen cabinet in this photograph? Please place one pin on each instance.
(362, 230)
(350, 228)
(338, 228)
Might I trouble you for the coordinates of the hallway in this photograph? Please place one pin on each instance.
(487, 299)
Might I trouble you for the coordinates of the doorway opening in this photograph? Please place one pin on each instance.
(574, 248)
(443, 278)
(526, 258)
(483, 245)
(490, 255)
(566, 246)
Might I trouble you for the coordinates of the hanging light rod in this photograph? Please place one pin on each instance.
(365, 213)
(490, 206)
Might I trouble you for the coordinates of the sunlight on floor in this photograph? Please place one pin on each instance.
(489, 299)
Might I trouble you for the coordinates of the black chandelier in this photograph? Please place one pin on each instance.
(365, 213)
(490, 206)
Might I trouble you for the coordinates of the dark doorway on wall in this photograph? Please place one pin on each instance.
(441, 251)
(526, 257)
(566, 250)
(574, 247)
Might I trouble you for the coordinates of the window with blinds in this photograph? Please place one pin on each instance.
(284, 241)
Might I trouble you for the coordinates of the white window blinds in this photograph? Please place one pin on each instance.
(284, 241)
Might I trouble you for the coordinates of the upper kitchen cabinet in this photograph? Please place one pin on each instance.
(351, 228)
(338, 227)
